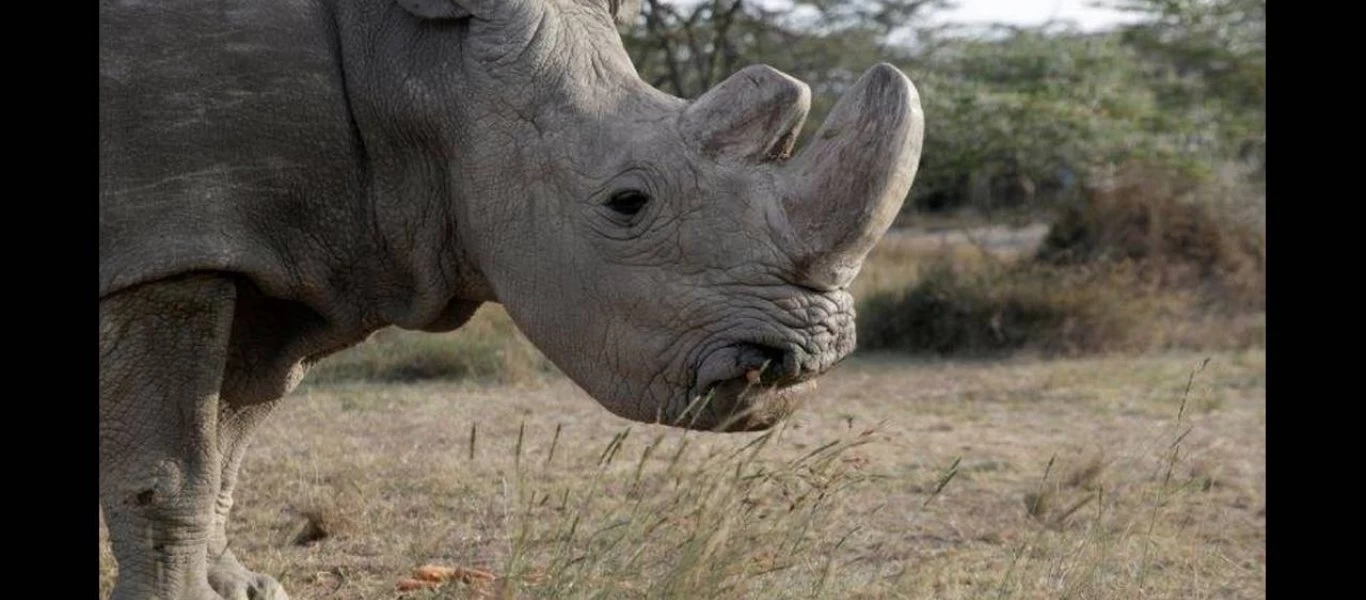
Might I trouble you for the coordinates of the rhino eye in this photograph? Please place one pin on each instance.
(628, 202)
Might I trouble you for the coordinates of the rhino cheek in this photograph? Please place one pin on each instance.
(570, 311)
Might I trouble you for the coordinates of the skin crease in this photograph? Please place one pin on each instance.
(325, 169)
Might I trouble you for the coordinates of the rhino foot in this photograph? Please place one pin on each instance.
(233, 581)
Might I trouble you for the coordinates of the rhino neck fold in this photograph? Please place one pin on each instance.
(419, 276)
(420, 264)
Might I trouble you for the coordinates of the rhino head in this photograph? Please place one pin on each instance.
(674, 258)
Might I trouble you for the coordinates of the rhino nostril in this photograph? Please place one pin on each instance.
(767, 365)
(737, 367)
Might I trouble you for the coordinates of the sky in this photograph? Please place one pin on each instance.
(1012, 12)
(1032, 12)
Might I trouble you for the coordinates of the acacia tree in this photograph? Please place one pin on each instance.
(685, 50)
(687, 47)
(1207, 63)
(1020, 116)
(1016, 116)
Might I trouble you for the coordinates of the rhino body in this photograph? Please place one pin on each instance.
(279, 179)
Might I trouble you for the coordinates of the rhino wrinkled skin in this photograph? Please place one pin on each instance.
(279, 179)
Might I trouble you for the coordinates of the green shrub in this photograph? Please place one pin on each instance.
(489, 347)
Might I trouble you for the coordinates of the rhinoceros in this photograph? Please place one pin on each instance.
(281, 178)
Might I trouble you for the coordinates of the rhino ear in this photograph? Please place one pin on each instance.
(624, 11)
(437, 9)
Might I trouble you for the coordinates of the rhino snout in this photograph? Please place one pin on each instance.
(749, 386)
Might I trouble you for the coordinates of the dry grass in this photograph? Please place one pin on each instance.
(1095, 478)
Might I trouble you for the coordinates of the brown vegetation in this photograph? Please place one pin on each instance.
(1140, 265)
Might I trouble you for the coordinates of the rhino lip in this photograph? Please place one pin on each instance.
(744, 386)
(739, 366)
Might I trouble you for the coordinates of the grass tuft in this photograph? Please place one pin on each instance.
(1087, 478)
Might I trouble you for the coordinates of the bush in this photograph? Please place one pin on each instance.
(1139, 265)
(1001, 309)
(488, 347)
(1151, 218)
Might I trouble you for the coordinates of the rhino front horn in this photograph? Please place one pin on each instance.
(843, 190)
(754, 115)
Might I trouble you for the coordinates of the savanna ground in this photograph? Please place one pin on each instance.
(1042, 474)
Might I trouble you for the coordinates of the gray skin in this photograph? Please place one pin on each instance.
(280, 179)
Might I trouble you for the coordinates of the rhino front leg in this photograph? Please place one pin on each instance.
(163, 347)
(227, 576)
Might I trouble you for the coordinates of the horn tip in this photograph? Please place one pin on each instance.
(887, 74)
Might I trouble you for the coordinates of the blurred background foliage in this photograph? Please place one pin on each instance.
(1018, 118)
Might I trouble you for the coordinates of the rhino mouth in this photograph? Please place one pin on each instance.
(745, 387)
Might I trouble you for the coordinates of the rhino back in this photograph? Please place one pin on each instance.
(226, 143)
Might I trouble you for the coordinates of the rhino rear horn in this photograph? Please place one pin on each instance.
(753, 115)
